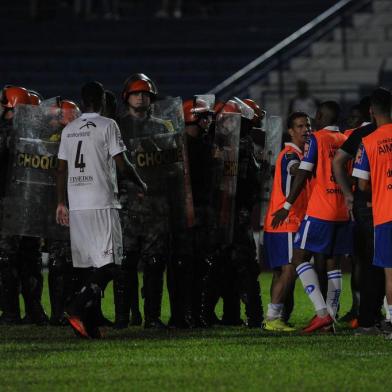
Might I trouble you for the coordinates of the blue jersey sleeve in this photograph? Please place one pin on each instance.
(361, 164)
(288, 160)
(310, 154)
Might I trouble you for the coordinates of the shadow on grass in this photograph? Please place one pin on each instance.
(228, 335)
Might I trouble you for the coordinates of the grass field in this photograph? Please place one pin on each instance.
(220, 359)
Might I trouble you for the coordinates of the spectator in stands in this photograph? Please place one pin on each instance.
(167, 6)
(91, 9)
(303, 101)
(84, 8)
(110, 9)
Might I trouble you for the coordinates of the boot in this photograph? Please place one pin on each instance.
(152, 292)
(10, 292)
(121, 293)
(59, 283)
(32, 286)
(180, 292)
(208, 292)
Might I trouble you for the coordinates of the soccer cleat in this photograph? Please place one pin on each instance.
(154, 324)
(370, 331)
(277, 325)
(348, 317)
(317, 323)
(385, 326)
(353, 323)
(78, 326)
(329, 329)
(136, 319)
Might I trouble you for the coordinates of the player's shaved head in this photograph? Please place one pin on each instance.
(364, 108)
(380, 102)
(93, 95)
(328, 114)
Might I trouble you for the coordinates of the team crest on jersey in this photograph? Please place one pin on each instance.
(359, 156)
(309, 289)
(306, 148)
(88, 124)
(290, 156)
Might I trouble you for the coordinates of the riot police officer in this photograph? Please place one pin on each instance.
(63, 280)
(145, 218)
(192, 246)
(21, 263)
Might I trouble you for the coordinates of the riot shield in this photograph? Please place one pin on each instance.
(29, 205)
(273, 146)
(160, 157)
(225, 170)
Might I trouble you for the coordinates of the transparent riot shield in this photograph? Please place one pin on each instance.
(273, 146)
(160, 157)
(225, 170)
(29, 205)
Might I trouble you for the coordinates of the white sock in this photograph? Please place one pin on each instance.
(334, 290)
(274, 311)
(390, 312)
(309, 280)
(386, 307)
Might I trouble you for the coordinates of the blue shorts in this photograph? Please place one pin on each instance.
(278, 249)
(325, 237)
(383, 245)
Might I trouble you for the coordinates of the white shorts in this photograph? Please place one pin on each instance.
(96, 238)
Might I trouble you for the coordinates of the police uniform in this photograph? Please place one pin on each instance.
(242, 252)
(21, 263)
(146, 234)
(189, 269)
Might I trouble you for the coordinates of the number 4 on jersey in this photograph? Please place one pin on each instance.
(79, 164)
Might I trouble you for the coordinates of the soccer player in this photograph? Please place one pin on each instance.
(90, 149)
(373, 167)
(278, 242)
(366, 279)
(326, 228)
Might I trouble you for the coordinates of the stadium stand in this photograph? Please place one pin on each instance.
(57, 52)
(346, 64)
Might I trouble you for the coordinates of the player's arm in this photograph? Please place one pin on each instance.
(364, 185)
(299, 183)
(362, 170)
(62, 216)
(127, 169)
(117, 151)
(339, 165)
(294, 168)
(302, 173)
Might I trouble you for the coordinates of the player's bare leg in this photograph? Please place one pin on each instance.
(282, 283)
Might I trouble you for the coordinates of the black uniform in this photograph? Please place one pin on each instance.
(190, 273)
(20, 262)
(145, 223)
(372, 286)
(242, 269)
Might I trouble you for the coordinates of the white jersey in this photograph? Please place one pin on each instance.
(88, 144)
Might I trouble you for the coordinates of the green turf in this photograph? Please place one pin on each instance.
(220, 359)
